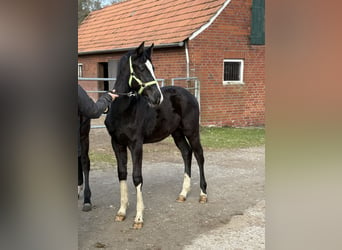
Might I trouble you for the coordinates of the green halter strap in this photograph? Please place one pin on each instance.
(141, 84)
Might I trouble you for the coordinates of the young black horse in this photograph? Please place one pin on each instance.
(146, 114)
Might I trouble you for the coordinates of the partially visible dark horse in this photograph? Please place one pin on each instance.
(84, 163)
(146, 114)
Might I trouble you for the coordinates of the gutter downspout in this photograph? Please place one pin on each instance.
(187, 59)
(197, 86)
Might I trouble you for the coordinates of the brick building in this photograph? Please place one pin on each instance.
(221, 42)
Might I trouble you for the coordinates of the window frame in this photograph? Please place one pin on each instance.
(80, 69)
(241, 80)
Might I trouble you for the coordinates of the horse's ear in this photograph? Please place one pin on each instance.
(140, 49)
(150, 50)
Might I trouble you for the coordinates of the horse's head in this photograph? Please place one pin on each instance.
(142, 78)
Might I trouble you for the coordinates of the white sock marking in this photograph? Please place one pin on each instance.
(203, 194)
(140, 205)
(124, 198)
(186, 185)
(80, 188)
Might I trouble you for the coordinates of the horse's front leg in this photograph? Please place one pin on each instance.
(121, 215)
(136, 151)
(121, 156)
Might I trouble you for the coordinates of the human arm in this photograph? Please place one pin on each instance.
(91, 109)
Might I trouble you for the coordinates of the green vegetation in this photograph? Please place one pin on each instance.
(101, 157)
(211, 138)
(232, 137)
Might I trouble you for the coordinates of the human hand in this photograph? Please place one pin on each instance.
(112, 94)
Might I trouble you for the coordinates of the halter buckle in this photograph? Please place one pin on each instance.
(131, 94)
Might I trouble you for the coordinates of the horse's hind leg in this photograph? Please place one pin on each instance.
(121, 156)
(186, 151)
(196, 146)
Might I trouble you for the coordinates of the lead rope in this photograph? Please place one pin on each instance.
(129, 94)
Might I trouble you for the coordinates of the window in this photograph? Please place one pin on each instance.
(80, 70)
(258, 23)
(233, 71)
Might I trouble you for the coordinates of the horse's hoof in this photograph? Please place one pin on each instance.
(138, 225)
(181, 198)
(120, 217)
(203, 199)
(86, 207)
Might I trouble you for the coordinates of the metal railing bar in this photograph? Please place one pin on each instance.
(95, 79)
(185, 78)
(97, 126)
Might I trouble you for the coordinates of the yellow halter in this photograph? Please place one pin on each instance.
(141, 84)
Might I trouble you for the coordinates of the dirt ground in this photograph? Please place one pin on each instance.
(233, 218)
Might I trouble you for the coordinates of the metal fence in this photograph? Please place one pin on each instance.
(190, 83)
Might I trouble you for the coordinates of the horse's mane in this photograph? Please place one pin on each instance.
(121, 85)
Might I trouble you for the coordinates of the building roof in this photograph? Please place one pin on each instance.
(126, 24)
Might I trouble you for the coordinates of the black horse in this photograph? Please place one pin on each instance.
(146, 114)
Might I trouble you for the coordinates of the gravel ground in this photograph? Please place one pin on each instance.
(233, 218)
(245, 231)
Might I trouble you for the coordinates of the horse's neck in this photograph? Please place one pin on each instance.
(121, 85)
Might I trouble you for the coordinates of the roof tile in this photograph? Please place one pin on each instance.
(126, 24)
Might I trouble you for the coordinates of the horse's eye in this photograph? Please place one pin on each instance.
(141, 67)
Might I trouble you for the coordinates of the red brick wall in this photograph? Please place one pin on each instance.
(91, 70)
(169, 63)
(228, 38)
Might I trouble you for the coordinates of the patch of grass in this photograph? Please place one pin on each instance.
(101, 157)
(212, 138)
(227, 137)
